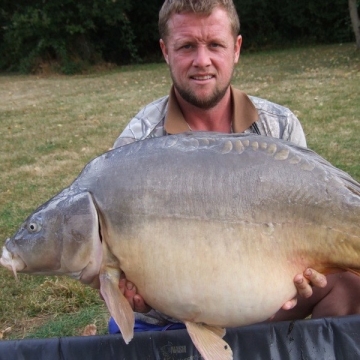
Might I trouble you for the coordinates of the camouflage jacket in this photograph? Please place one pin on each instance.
(269, 119)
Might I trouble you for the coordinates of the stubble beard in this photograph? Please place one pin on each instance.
(203, 103)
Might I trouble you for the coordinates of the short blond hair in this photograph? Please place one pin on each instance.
(205, 7)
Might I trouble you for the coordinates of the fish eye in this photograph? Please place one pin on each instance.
(33, 227)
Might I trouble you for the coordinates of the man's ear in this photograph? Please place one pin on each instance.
(237, 48)
(164, 50)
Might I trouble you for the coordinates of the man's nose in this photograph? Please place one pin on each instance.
(202, 57)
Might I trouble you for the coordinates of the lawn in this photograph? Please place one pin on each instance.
(52, 125)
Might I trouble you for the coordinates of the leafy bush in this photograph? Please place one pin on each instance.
(64, 31)
(282, 22)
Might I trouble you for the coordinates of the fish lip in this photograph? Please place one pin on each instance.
(12, 261)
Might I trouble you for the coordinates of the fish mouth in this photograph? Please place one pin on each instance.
(12, 261)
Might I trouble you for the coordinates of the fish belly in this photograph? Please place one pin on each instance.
(225, 274)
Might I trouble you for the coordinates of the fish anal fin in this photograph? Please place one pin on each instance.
(356, 272)
(116, 302)
(326, 270)
(207, 339)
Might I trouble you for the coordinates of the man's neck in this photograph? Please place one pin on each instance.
(218, 118)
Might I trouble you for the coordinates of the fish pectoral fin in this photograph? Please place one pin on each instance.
(117, 304)
(207, 339)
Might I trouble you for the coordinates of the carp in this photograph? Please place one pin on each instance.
(190, 217)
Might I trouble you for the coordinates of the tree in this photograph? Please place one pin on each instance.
(63, 31)
(355, 21)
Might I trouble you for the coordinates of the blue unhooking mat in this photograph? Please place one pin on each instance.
(323, 339)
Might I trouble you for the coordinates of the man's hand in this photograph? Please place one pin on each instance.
(304, 283)
(135, 300)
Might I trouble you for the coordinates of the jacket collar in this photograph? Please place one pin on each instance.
(243, 110)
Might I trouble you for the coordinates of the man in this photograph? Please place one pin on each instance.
(201, 45)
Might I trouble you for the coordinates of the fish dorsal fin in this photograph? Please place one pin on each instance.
(208, 341)
(116, 302)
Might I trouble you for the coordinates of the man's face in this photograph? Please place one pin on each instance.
(201, 52)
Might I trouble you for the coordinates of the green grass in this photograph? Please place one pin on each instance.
(72, 324)
(51, 126)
